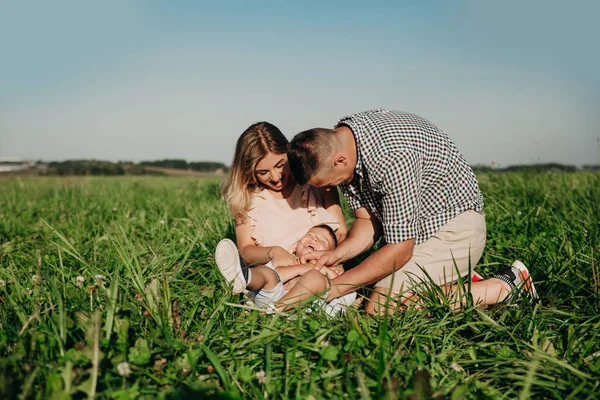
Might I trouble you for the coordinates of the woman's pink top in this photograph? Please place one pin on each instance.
(282, 222)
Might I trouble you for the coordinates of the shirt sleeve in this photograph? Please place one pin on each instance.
(401, 179)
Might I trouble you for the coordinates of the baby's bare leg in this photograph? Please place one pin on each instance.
(262, 278)
(312, 283)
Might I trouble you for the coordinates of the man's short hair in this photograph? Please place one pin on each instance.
(308, 152)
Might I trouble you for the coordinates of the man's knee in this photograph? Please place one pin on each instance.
(314, 281)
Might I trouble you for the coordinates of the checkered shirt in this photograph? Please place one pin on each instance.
(409, 174)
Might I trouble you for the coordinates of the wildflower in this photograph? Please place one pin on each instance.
(210, 369)
(182, 240)
(124, 369)
(162, 221)
(99, 280)
(260, 375)
(115, 208)
(325, 343)
(28, 291)
(35, 279)
(519, 213)
(2, 283)
(455, 366)
(159, 364)
(80, 280)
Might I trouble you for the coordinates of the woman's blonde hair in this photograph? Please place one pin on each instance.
(256, 142)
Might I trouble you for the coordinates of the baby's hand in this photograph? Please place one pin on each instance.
(330, 272)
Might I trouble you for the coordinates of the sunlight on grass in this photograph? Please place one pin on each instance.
(108, 288)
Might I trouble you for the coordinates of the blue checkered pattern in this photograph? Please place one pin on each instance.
(409, 174)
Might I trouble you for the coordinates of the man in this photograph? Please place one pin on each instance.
(407, 183)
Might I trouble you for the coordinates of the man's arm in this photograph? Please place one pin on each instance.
(365, 231)
(378, 265)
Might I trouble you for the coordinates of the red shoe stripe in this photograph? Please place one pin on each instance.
(525, 279)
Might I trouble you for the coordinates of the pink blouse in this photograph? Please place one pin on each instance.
(282, 222)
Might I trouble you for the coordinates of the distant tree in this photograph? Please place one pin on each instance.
(208, 166)
(591, 167)
(541, 168)
(167, 163)
(84, 167)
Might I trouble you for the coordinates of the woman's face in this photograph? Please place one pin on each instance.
(272, 171)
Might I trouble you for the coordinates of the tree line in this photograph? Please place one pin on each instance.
(108, 168)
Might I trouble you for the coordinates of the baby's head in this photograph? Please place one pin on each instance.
(318, 238)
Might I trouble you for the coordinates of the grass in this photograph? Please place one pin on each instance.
(151, 297)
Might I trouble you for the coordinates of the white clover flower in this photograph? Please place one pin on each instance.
(325, 343)
(99, 280)
(260, 375)
(162, 221)
(124, 369)
(182, 240)
(80, 280)
(28, 291)
(2, 283)
(35, 278)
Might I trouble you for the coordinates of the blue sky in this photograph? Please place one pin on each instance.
(510, 82)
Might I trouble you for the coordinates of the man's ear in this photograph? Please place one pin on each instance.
(340, 159)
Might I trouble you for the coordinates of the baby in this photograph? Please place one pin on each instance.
(265, 283)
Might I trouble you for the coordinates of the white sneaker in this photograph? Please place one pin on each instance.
(518, 278)
(231, 265)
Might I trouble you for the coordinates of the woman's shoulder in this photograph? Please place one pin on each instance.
(258, 200)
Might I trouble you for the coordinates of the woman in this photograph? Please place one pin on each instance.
(270, 209)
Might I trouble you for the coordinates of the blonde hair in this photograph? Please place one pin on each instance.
(256, 142)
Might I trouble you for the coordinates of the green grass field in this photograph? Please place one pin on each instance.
(98, 272)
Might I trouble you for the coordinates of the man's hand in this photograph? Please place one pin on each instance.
(329, 258)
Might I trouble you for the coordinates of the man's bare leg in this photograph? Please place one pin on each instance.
(486, 292)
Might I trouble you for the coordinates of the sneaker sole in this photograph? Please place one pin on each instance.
(524, 276)
(227, 258)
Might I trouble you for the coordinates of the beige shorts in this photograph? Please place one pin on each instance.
(461, 239)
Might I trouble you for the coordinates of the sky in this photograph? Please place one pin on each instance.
(511, 82)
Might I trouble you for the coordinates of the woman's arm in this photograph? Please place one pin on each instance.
(255, 255)
(331, 202)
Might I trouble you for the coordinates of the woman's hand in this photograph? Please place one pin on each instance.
(281, 258)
